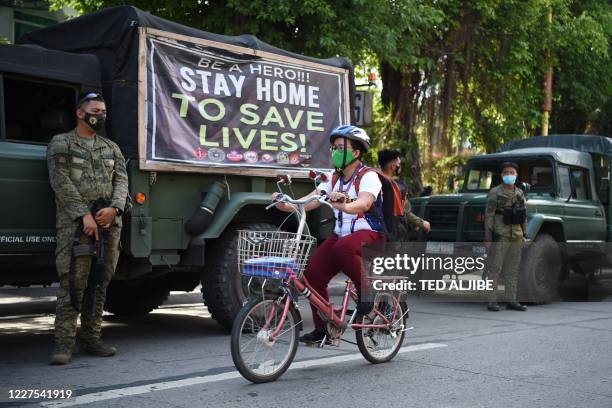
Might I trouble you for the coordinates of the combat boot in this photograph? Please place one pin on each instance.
(493, 307)
(62, 354)
(516, 306)
(96, 347)
(315, 337)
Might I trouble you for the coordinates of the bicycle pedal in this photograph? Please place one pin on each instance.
(323, 342)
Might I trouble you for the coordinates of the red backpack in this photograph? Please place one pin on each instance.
(388, 206)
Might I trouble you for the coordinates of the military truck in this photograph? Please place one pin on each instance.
(205, 123)
(567, 178)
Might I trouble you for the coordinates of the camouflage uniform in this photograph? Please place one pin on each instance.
(507, 240)
(79, 174)
(412, 218)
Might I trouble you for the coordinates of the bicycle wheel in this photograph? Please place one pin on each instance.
(256, 356)
(381, 345)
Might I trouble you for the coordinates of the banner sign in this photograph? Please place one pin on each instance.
(214, 104)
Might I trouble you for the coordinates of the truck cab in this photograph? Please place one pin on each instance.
(38, 91)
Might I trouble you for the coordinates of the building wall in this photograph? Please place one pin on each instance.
(16, 21)
(6, 23)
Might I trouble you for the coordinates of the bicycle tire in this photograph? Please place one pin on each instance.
(237, 333)
(364, 340)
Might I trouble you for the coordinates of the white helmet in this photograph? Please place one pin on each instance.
(352, 133)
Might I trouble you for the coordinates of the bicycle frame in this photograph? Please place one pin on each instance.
(334, 315)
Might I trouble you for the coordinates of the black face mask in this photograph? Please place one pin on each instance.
(398, 170)
(96, 122)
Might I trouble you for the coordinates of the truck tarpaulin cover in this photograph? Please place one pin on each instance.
(210, 105)
(586, 143)
(113, 35)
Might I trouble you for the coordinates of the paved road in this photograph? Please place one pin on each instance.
(458, 355)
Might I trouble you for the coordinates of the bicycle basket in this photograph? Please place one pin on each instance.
(273, 254)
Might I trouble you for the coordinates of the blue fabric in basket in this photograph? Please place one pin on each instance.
(269, 267)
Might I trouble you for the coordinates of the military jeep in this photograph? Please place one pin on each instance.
(568, 188)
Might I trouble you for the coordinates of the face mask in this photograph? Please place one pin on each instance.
(508, 179)
(96, 122)
(398, 170)
(338, 158)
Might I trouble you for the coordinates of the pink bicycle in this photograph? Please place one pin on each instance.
(265, 333)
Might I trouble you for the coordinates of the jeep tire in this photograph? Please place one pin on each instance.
(223, 287)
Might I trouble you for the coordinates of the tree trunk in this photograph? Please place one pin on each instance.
(400, 93)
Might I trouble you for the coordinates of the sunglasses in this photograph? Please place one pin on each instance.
(89, 97)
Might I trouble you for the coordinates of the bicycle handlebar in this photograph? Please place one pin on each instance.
(284, 198)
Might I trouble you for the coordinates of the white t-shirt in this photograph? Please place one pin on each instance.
(370, 183)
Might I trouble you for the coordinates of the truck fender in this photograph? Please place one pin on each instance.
(538, 220)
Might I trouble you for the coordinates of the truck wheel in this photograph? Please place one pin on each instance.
(223, 288)
(540, 271)
(135, 297)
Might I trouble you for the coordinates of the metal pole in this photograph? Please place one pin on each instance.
(547, 106)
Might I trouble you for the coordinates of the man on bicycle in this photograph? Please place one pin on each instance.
(355, 225)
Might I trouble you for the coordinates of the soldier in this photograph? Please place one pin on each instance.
(87, 173)
(390, 164)
(506, 225)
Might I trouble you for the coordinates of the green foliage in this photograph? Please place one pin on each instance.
(583, 67)
(319, 28)
(445, 168)
(509, 54)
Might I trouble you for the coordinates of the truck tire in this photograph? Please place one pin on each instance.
(540, 271)
(135, 297)
(223, 288)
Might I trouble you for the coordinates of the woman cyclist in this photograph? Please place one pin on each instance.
(355, 224)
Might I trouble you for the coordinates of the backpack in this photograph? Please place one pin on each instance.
(387, 211)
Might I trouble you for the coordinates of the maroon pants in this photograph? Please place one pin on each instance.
(334, 255)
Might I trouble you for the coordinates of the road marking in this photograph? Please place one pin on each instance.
(167, 385)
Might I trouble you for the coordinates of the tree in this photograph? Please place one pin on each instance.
(476, 75)
(319, 28)
(583, 67)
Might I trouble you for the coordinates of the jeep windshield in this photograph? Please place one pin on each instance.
(483, 174)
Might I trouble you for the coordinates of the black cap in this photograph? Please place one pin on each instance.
(387, 156)
(508, 164)
(89, 96)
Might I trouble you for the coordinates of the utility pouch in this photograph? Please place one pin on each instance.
(514, 215)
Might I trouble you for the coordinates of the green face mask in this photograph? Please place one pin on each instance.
(338, 156)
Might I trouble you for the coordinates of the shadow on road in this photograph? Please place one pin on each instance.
(26, 321)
